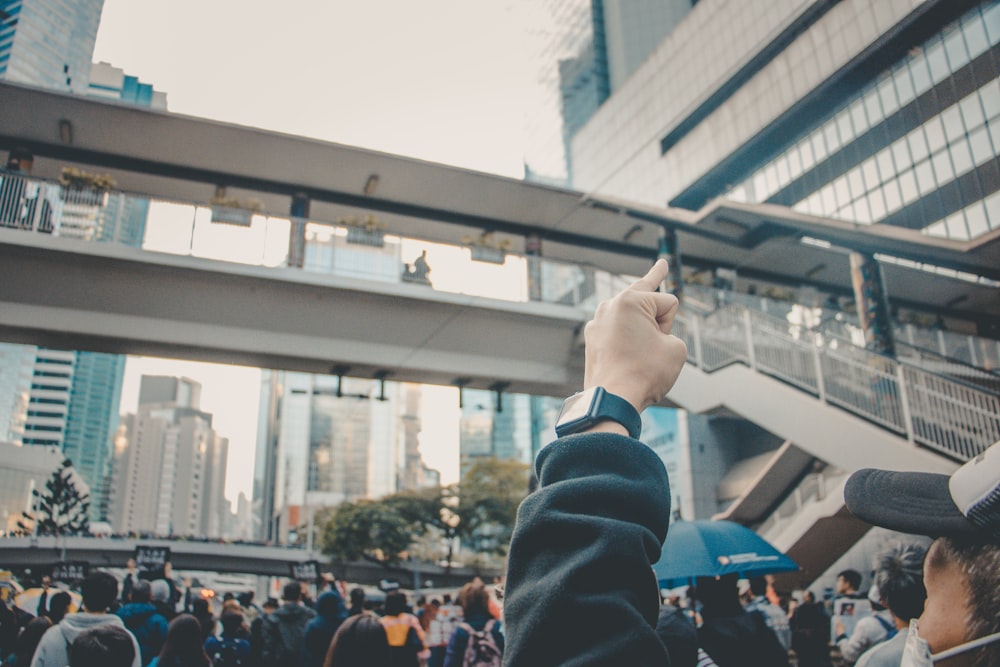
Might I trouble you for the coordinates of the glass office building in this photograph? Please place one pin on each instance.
(495, 427)
(587, 49)
(875, 113)
(915, 147)
(49, 43)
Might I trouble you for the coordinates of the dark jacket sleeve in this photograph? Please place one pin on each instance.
(580, 587)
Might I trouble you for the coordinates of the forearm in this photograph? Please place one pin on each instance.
(580, 588)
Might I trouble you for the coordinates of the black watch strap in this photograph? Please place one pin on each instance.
(596, 405)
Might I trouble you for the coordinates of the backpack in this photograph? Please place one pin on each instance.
(482, 649)
(890, 630)
(226, 654)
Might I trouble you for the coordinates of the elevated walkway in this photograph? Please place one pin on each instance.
(70, 294)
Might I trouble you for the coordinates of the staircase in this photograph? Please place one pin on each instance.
(833, 402)
(952, 417)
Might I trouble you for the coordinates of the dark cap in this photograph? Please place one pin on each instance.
(967, 502)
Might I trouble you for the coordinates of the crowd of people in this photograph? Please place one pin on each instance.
(579, 587)
(143, 628)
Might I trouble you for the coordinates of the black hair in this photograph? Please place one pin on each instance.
(103, 646)
(292, 591)
(395, 603)
(184, 643)
(899, 576)
(852, 577)
(58, 606)
(720, 596)
(231, 622)
(758, 585)
(99, 590)
(361, 641)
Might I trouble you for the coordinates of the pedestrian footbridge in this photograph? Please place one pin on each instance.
(217, 556)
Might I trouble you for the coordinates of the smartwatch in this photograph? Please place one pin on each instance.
(592, 406)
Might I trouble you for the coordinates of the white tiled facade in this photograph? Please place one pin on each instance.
(618, 151)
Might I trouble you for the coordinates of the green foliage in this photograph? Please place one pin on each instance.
(60, 509)
(479, 512)
(369, 529)
(489, 495)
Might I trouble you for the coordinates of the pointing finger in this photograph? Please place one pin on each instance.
(649, 282)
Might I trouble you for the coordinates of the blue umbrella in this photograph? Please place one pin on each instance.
(714, 548)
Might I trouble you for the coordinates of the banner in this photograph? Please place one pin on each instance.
(305, 571)
(70, 572)
(151, 562)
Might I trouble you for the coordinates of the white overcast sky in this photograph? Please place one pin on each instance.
(448, 81)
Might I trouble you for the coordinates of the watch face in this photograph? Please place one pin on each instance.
(577, 408)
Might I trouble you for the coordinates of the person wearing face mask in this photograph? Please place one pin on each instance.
(960, 623)
(899, 580)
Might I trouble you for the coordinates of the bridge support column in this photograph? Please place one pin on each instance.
(872, 303)
(670, 251)
(533, 252)
(297, 230)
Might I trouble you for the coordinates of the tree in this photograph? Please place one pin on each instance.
(61, 509)
(479, 512)
(369, 529)
(488, 497)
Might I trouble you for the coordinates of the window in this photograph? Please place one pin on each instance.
(972, 111)
(976, 39)
(955, 225)
(951, 118)
(942, 167)
(978, 223)
(925, 177)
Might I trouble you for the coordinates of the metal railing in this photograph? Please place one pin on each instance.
(950, 416)
(970, 357)
(336, 248)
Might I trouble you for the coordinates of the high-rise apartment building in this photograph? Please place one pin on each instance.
(49, 43)
(15, 388)
(48, 400)
(170, 465)
(73, 405)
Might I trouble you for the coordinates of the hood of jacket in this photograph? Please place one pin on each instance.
(135, 614)
(293, 613)
(330, 606)
(73, 624)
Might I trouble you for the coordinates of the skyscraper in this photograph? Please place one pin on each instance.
(92, 419)
(48, 400)
(74, 405)
(589, 48)
(170, 465)
(490, 429)
(876, 113)
(324, 440)
(49, 43)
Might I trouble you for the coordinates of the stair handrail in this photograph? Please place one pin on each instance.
(957, 418)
